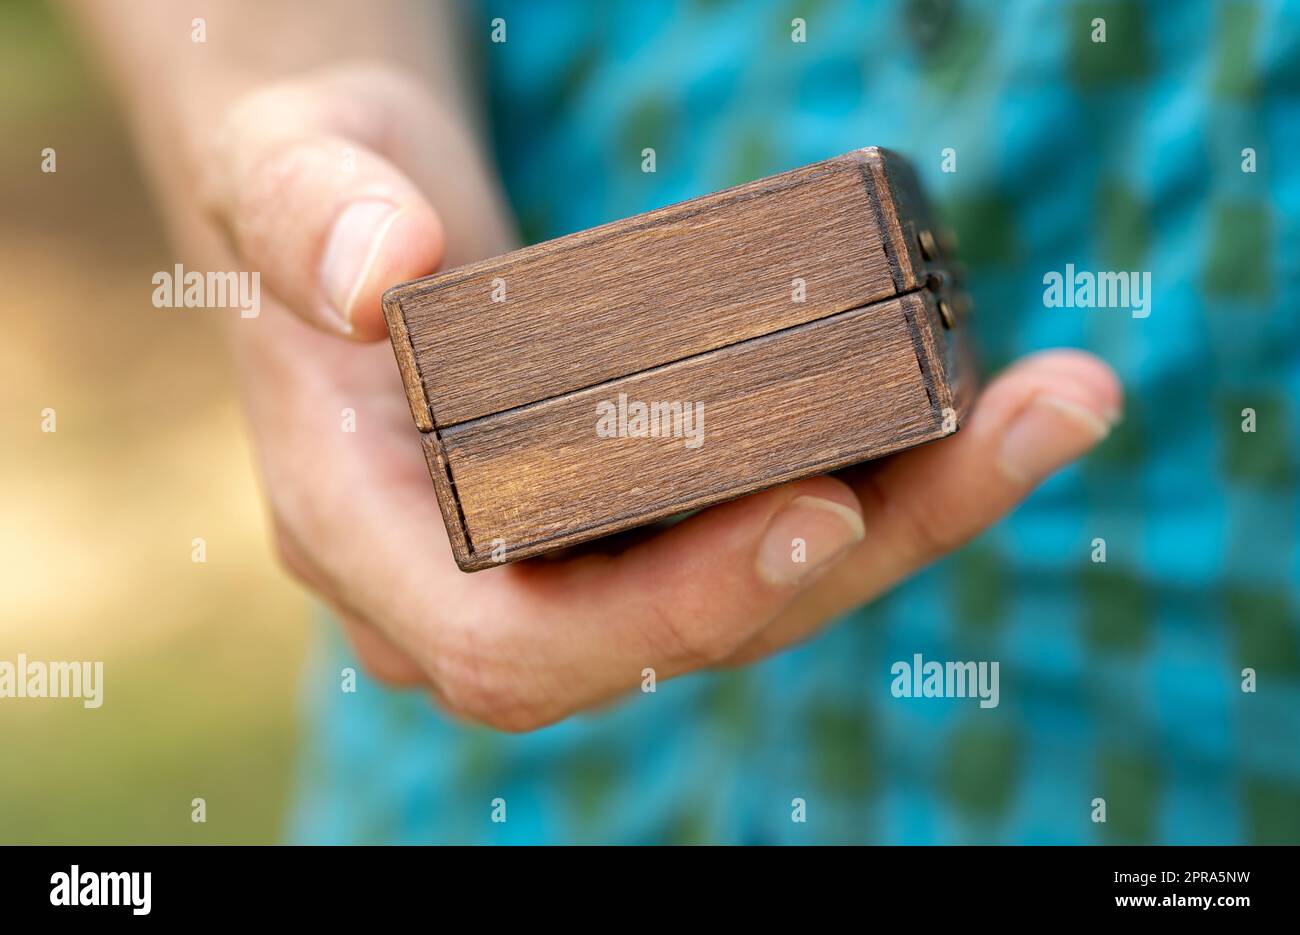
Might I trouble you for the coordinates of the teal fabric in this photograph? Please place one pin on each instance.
(1120, 680)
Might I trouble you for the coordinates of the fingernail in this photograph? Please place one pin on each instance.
(1049, 432)
(353, 245)
(807, 535)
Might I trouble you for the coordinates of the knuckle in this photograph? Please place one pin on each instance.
(514, 722)
(924, 525)
(380, 81)
(489, 710)
(480, 692)
(381, 662)
(380, 668)
(931, 531)
(290, 553)
(261, 153)
(239, 129)
(697, 639)
(375, 74)
(278, 173)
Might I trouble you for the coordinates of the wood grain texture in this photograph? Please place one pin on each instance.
(688, 305)
(803, 401)
(644, 291)
(903, 213)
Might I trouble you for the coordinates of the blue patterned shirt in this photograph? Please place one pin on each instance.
(1119, 679)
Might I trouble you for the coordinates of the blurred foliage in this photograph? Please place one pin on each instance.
(201, 661)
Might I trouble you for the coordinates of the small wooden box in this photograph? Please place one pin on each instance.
(666, 362)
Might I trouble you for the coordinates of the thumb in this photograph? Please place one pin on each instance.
(1036, 417)
(329, 223)
(696, 592)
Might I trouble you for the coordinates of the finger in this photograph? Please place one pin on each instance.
(686, 598)
(376, 652)
(1042, 413)
(380, 657)
(724, 583)
(328, 222)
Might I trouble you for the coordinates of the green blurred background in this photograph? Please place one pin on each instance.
(99, 516)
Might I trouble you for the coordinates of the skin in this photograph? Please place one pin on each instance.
(258, 142)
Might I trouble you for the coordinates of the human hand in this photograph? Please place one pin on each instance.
(342, 184)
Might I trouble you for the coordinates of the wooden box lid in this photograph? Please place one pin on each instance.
(571, 313)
